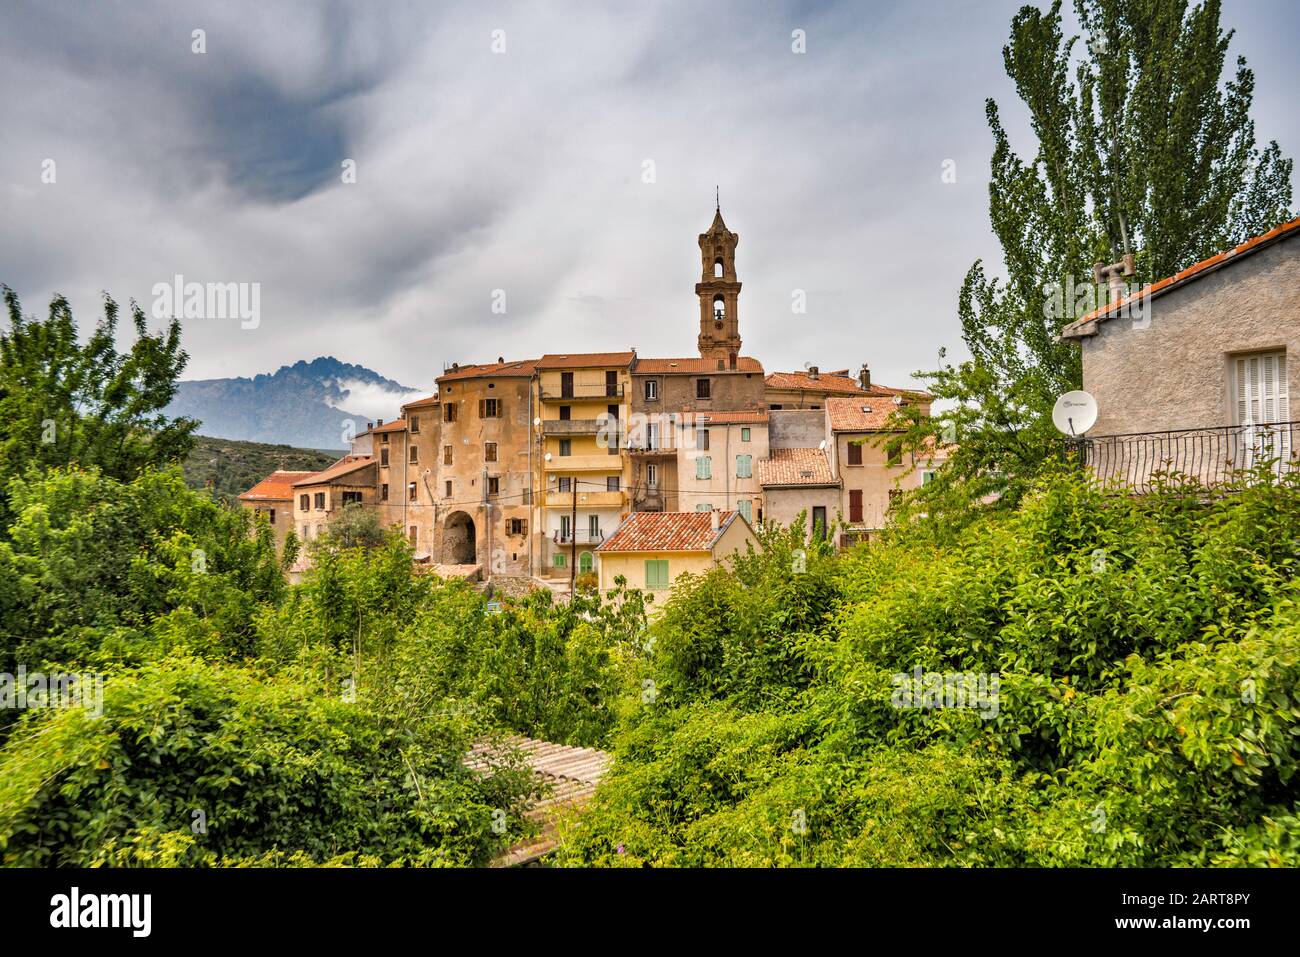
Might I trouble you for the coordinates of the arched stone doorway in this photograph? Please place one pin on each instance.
(459, 542)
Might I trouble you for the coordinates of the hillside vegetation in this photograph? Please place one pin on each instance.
(229, 467)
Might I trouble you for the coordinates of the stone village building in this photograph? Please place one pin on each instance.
(1194, 373)
(528, 467)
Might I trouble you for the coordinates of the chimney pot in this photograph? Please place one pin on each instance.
(864, 377)
(813, 372)
(379, 421)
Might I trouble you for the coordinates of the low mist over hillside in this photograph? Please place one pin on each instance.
(307, 404)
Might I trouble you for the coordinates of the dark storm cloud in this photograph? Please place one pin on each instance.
(521, 173)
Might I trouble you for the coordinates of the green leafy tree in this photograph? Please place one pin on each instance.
(65, 402)
(1142, 147)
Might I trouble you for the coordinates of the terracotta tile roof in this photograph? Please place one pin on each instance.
(825, 382)
(795, 467)
(692, 366)
(434, 399)
(397, 425)
(585, 360)
(278, 486)
(667, 532)
(835, 382)
(731, 418)
(1078, 328)
(867, 414)
(521, 368)
(344, 466)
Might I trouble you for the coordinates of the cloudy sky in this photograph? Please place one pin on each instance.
(522, 171)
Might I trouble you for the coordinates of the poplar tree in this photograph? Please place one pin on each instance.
(1144, 145)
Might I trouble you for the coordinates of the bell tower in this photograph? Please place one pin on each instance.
(719, 291)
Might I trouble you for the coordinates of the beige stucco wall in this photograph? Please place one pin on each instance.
(783, 505)
(1174, 373)
(284, 517)
(724, 489)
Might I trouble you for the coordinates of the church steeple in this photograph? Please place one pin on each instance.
(719, 291)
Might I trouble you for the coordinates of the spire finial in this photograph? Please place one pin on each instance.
(717, 199)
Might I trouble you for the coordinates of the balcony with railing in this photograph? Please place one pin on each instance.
(597, 498)
(581, 390)
(1209, 456)
(577, 426)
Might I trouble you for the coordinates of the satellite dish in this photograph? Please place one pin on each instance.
(1075, 412)
(822, 445)
(537, 421)
(548, 456)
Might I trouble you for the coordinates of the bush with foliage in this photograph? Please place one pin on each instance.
(1147, 651)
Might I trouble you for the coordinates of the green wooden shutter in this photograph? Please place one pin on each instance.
(744, 466)
(704, 467)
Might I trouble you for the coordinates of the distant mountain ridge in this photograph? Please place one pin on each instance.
(306, 405)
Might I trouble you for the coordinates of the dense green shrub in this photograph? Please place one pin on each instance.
(273, 765)
(1147, 713)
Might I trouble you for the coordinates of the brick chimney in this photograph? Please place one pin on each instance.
(864, 378)
(813, 372)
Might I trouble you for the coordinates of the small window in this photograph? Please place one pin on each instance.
(320, 501)
(566, 483)
(652, 476)
(611, 483)
(415, 456)
(411, 493)
(351, 498)
(383, 438)
(449, 412)
(489, 451)
(448, 488)
(593, 528)
(566, 413)
(651, 390)
(304, 502)
(383, 456)
(894, 451)
(560, 560)
(383, 492)
(656, 574)
(744, 466)
(704, 467)
(517, 526)
(855, 453)
(415, 425)
(566, 446)
(744, 435)
(413, 534)
(704, 507)
(489, 408)
(494, 485)
(446, 454)
(703, 388)
(703, 440)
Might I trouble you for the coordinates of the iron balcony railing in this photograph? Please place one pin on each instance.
(582, 390)
(584, 537)
(1209, 456)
